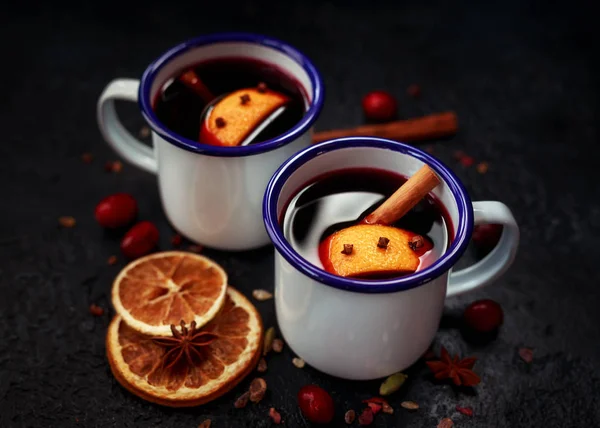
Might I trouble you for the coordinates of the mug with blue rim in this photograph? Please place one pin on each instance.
(360, 328)
(211, 194)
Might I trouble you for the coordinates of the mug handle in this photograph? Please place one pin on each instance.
(492, 266)
(113, 131)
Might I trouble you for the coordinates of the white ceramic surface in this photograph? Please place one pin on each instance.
(361, 329)
(211, 195)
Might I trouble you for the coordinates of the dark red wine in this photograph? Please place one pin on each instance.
(180, 108)
(341, 199)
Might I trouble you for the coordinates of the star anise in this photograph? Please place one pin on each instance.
(458, 370)
(184, 344)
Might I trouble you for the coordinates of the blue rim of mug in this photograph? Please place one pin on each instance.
(316, 103)
(463, 229)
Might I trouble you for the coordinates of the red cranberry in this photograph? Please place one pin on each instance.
(483, 316)
(316, 404)
(116, 210)
(486, 236)
(379, 106)
(140, 240)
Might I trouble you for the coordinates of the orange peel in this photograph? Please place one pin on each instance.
(235, 116)
(366, 258)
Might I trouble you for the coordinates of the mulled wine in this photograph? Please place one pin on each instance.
(180, 108)
(341, 199)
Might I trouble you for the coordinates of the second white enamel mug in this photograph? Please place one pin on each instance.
(367, 329)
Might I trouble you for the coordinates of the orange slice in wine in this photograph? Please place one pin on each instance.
(164, 288)
(367, 257)
(139, 363)
(235, 116)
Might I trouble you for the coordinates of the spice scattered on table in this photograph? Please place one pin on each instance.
(194, 248)
(277, 345)
(392, 383)
(350, 416)
(526, 355)
(375, 400)
(482, 167)
(96, 310)
(467, 161)
(268, 340)
(463, 158)
(445, 423)
(425, 128)
(409, 405)
(205, 424)
(275, 416)
(67, 222)
(258, 389)
(87, 158)
(366, 417)
(458, 154)
(467, 411)
(298, 362)
(112, 260)
(182, 344)
(176, 240)
(375, 407)
(242, 400)
(113, 166)
(457, 370)
(262, 366)
(262, 295)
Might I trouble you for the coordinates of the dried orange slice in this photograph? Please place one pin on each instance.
(138, 361)
(161, 289)
(366, 258)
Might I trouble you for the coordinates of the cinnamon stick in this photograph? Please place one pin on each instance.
(406, 197)
(190, 79)
(418, 129)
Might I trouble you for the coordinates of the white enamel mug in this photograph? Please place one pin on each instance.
(367, 329)
(212, 195)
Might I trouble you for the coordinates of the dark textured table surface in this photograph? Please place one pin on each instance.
(523, 79)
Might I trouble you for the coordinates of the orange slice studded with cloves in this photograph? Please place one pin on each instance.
(194, 365)
(161, 289)
(371, 250)
(238, 114)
